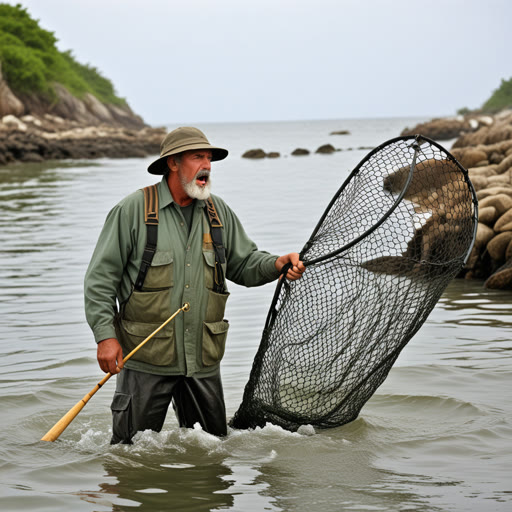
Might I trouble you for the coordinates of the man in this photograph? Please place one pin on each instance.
(196, 247)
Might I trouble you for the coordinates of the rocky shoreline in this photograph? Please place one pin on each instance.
(39, 138)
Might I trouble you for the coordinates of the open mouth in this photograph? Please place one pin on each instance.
(202, 179)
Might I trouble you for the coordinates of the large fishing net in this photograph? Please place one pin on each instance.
(399, 229)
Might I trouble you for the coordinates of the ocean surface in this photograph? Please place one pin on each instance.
(436, 436)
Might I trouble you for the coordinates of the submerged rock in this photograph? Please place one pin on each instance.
(326, 149)
(254, 153)
(300, 152)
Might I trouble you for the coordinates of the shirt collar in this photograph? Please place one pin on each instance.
(165, 196)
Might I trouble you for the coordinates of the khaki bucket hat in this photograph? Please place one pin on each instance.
(183, 139)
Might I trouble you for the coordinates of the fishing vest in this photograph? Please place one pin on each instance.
(141, 313)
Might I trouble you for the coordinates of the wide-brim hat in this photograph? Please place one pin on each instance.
(182, 139)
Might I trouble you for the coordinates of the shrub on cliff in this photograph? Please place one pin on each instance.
(31, 62)
(501, 98)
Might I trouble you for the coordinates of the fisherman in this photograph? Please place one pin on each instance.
(167, 245)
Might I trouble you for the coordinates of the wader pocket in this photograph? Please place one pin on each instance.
(161, 272)
(214, 341)
(160, 350)
(121, 418)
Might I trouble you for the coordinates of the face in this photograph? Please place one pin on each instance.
(193, 172)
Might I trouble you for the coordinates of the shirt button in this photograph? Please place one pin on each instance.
(186, 286)
(188, 264)
(182, 224)
(186, 330)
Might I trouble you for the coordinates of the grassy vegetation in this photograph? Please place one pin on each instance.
(31, 61)
(501, 98)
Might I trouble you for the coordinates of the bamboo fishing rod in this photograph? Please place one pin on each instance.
(63, 423)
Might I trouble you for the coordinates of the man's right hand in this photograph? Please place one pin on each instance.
(110, 356)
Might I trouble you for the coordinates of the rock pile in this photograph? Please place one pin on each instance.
(487, 154)
(449, 128)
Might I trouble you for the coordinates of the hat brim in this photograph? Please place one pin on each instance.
(160, 166)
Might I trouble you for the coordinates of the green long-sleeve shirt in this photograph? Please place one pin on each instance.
(116, 261)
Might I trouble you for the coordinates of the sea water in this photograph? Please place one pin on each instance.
(436, 436)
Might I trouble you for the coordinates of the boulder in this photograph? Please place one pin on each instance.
(501, 202)
(493, 191)
(501, 279)
(254, 153)
(489, 170)
(504, 165)
(483, 235)
(469, 157)
(273, 154)
(488, 215)
(326, 149)
(495, 157)
(499, 180)
(498, 245)
(479, 182)
(440, 129)
(300, 152)
(504, 223)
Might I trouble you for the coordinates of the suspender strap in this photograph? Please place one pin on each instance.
(218, 246)
(151, 221)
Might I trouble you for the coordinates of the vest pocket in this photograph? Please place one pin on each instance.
(160, 350)
(214, 341)
(160, 274)
(209, 268)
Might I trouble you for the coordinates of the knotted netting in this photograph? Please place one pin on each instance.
(398, 230)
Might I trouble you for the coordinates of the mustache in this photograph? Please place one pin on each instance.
(201, 173)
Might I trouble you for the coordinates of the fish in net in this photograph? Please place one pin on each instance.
(398, 230)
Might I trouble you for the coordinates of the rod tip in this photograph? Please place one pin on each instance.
(186, 306)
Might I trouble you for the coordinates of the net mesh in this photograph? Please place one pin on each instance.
(399, 229)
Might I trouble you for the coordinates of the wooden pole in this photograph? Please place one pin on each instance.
(63, 423)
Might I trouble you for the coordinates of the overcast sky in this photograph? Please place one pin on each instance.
(243, 60)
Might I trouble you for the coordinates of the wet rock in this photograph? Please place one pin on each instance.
(300, 152)
(501, 279)
(497, 247)
(273, 154)
(340, 132)
(440, 129)
(326, 149)
(254, 153)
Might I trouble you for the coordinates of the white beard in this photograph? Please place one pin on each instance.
(193, 190)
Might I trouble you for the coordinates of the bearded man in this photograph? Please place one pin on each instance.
(171, 244)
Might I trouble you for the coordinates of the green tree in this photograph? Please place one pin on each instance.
(31, 62)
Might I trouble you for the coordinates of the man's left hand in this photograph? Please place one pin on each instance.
(295, 272)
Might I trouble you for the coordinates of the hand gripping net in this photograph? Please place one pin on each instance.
(399, 229)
